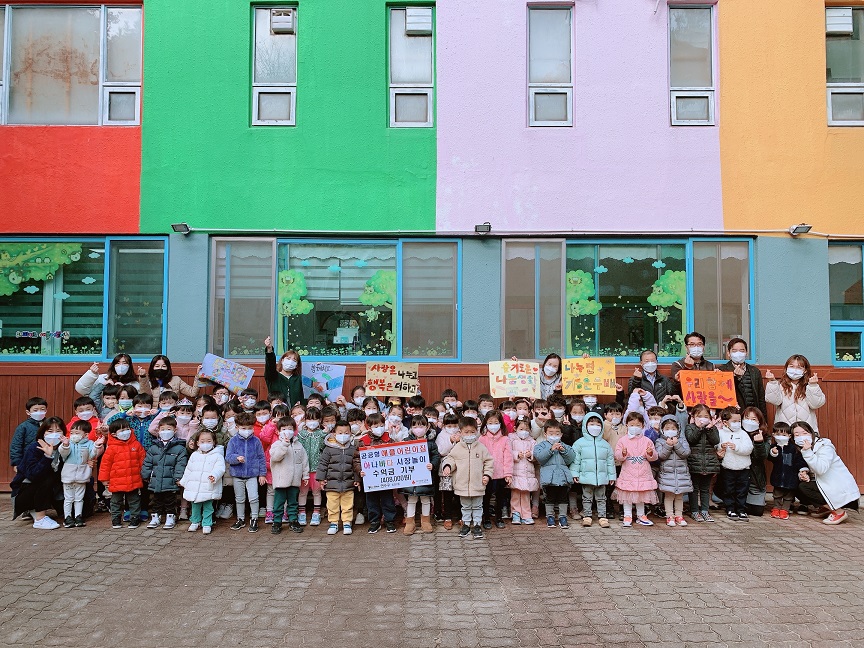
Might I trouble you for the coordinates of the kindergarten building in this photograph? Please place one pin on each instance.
(446, 183)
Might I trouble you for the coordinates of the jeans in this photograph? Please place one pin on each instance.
(589, 495)
(700, 498)
(556, 499)
(73, 494)
(242, 488)
(340, 501)
(472, 509)
(280, 497)
(735, 485)
(381, 503)
(202, 513)
(494, 487)
(133, 501)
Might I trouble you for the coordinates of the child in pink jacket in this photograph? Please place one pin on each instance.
(636, 483)
(498, 444)
(524, 478)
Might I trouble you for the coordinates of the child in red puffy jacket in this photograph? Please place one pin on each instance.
(120, 471)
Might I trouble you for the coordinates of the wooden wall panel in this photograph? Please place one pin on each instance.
(842, 419)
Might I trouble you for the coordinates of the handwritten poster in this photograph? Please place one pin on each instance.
(224, 372)
(588, 376)
(716, 389)
(323, 378)
(395, 465)
(508, 379)
(392, 379)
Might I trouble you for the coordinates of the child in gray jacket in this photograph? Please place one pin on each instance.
(674, 473)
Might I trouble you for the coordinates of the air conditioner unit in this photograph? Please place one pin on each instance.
(282, 21)
(838, 20)
(418, 21)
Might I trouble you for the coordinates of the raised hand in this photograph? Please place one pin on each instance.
(814, 379)
(268, 342)
(769, 375)
(95, 368)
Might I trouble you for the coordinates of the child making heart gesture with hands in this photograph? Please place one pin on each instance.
(636, 484)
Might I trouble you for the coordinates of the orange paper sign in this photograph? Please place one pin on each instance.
(716, 389)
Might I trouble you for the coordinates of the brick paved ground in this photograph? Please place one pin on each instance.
(763, 583)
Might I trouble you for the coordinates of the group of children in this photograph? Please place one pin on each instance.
(206, 458)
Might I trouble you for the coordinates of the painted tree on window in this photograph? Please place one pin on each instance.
(669, 291)
(380, 290)
(580, 291)
(22, 262)
(290, 291)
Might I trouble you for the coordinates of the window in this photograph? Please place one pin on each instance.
(845, 65)
(349, 299)
(550, 70)
(71, 65)
(53, 297)
(619, 298)
(691, 73)
(274, 74)
(412, 67)
(845, 276)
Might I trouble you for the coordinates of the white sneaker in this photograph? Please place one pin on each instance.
(155, 520)
(360, 519)
(225, 512)
(346, 529)
(170, 521)
(207, 530)
(193, 527)
(46, 523)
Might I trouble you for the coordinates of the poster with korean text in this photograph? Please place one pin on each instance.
(395, 465)
(716, 389)
(509, 379)
(323, 378)
(588, 376)
(392, 379)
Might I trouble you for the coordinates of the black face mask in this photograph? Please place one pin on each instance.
(160, 374)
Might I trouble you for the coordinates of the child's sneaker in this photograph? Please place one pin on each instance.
(390, 527)
(46, 523)
(681, 521)
(295, 527)
(708, 517)
(670, 521)
(79, 521)
(628, 521)
(697, 517)
(835, 517)
(775, 513)
(276, 529)
(68, 522)
(527, 520)
(125, 516)
(743, 517)
(644, 521)
(239, 524)
(170, 522)
(374, 528)
(316, 519)
(155, 520)
(184, 513)
(586, 521)
(133, 524)
(477, 532)
(732, 515)
(332, 529)
(359, 519)
(208, 530)
(464, 531)
(193, 527)
(517, 519)
(562, 522)
(346, 529)
(253, 525)
(550, 521)
(144, 516)
(117, 523)
(268, 517)
(301, 519)
(604, 523)
(783, 515)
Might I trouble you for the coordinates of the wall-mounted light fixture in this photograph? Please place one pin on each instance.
(485, 228)
(181, 228)
(803, 228)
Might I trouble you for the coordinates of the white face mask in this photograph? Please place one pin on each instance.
(394, 419)
(649, 367)
(289, 365)
(738, 356)
(549, 370)
(511, 414)
(654, 423)
(141, 411)
(205, 447)
(484, 410)
(590, 401)
(249, 402)
(419, 432)
(355, 428)
(121, 369)
(359, 401)
(696, 351)
(245, 433)
(124, 435)
(553, 439)
(166, 435)
(184, 418)
(471, 415)
(286, 435)
(451, 430)
(634, 431)
(577, 418)
(262, 418)
(800, 440)
(221, 399)
(493, 428)
(298, 418)
(670, 434)
(86, 415)
(75, 438)
(595, 430)
(557, 412)
(328, 427)
(469, 438)
(370, 412)
(735, 426)
(750, 425)
(781, 440)
(523, 434)
(53, 438)
(378, 431)
(38, 416)
(701, 421)
(210, 423)
(794, 373)
(616, 420)
(312, 425)
(342, 439)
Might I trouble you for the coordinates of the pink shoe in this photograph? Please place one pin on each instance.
(681, 521)
(628, 522)
(268, 517)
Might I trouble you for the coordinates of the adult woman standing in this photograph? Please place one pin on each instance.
(160, 378)
(119, 373)
(797, 394)
(283, 376)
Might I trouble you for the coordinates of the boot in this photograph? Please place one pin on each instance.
(425, 524)
(409, 526)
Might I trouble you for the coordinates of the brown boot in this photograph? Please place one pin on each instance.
(426, 524)
(409, 526)
(448, 524)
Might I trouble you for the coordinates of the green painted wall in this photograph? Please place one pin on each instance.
(340, 168)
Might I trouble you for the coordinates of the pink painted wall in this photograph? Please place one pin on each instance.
(621, 166)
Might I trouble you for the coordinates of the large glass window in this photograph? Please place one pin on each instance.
(429, 294)
(844, 50)
(52, 297)
(845, 276)
(691, 73)
(72, 65)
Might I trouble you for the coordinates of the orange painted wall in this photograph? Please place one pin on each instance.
(780, 162)
(70, 179)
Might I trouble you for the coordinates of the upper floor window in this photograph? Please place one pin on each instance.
(691, 70)
(844, 51)
(412, 67)
(845, 277)
(550, 66)
(70, 65)
(274, 74)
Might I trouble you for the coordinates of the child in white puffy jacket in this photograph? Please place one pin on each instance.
(202, 480)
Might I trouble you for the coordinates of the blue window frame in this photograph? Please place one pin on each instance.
(845, 279)
(82, 298)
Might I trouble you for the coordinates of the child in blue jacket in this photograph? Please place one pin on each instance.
(593, 466)
(28, 429)
(248, 468)
(554, 458)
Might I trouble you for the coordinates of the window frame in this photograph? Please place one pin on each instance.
(274, 88)
(692, 91)
(394, 89)
(688, 258)
(841, 88)
(107, 241)
(396, 242)
(549, 88)
(105, 86)
(846, 326)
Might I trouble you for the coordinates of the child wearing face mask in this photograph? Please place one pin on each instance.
(265, 430)
(469, 465)
(635, 483)
(493, 437)
(211, 421)
(787, 462)
(284, 376)
(25, 434)
(311, 436)
(674, 473)
(380, 504)
(591, 404)
(394, 426)
(290, 466)
(182, 413)
(446, 439)
(167, 400)
(248, 469)
(106, 404)
(423, 494)
(248, 399)
(524, 481)
(554, 458)
(754, 424)
(593, 468)
(734, 450)
(164, 464)
(703, 438)
(202, 481)
(337, 473)
(79, 455)
(221, 395)
(120, 471)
